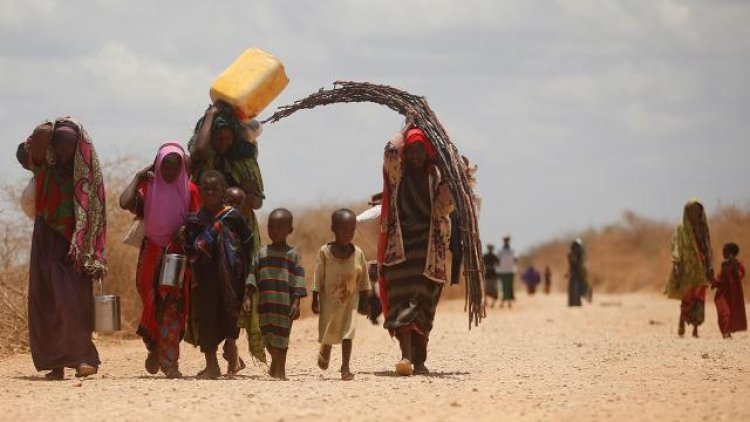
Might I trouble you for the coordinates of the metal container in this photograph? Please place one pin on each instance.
(173, 270)
(106, 313)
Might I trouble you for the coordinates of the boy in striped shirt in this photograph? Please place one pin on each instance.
(278, 276)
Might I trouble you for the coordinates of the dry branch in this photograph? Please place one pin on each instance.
(449, 162)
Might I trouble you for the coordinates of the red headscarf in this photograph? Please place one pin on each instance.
(415, 135)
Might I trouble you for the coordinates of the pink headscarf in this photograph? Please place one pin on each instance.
(166, 204)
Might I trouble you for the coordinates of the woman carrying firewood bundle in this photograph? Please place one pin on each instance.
(413, 248)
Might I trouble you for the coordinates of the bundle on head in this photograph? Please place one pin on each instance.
(449, 162)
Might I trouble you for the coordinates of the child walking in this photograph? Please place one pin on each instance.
(219, 243)
(277, 274)
(340, 289)
(730, 300)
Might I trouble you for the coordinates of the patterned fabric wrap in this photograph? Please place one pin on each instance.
(692, 255)
(391, 244)
(87, 227)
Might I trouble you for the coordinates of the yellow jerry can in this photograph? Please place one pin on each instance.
(250, 83)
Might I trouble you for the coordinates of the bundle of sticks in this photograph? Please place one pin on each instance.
(449, 161)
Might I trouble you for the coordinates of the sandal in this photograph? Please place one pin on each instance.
(85, 370)
(404, 368)
(172, 373)
(57, 374)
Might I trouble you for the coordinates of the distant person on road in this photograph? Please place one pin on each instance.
(507, 272)
(531, 278)
(578, 286)
(730, 300)
(490, 275)
(547, 279)
(692, 268)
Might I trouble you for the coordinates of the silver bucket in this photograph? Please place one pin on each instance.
(173, 270)
(106, 313)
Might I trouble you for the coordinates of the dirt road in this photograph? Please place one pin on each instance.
(618, 359)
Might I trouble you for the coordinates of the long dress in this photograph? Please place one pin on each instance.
(692, 254)
(164, 313)
(576, 279)
(730, 299)
(60, 296)
(412, 297)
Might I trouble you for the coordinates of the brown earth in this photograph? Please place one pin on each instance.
(618, 359)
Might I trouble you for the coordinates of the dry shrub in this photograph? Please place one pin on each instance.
(634, 254)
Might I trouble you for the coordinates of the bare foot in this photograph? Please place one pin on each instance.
(346, 376)
(420, 369)
(209, 373)
(172, 372)
(152, 363)
(324, 358)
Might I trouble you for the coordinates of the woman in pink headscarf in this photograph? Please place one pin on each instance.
(162, 195)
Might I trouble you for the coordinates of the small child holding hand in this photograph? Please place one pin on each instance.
(340, 289)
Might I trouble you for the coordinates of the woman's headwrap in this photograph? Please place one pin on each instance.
(166, 204)
(416, 135)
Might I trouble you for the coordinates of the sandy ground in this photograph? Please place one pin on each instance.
(618, 359)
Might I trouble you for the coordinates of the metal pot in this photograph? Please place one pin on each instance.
(173, 270)
(106, 313)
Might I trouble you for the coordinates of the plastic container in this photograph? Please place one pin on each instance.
(250, 83)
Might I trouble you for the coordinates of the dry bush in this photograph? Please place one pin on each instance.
(15, 239)
(634, 254)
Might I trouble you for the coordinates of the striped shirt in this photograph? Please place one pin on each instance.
(279, 278)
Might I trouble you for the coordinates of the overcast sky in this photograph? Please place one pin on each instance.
(575, 111)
